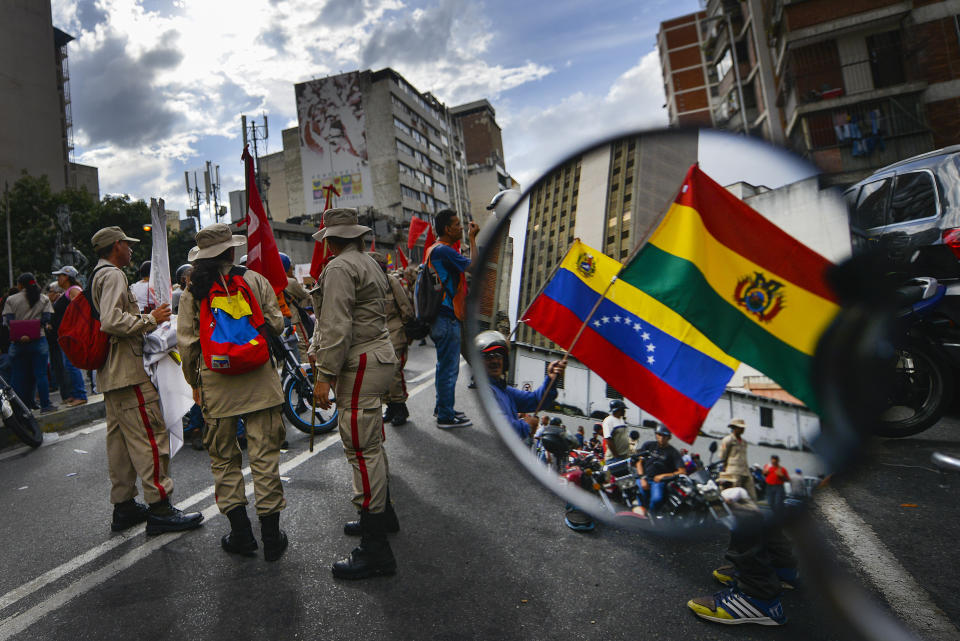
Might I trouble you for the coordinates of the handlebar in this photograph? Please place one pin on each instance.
(945, 462)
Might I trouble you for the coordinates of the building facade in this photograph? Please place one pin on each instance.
(689, 83)
(36, 127)
(388, 149)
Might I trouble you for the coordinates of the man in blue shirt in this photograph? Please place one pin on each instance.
(451, 267)
(495, 351)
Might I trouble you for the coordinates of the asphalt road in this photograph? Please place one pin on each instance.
(482, 553)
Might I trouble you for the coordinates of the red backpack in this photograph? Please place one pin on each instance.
(79, 336)
(231, 326)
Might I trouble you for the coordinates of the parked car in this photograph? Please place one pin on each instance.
(911, 209)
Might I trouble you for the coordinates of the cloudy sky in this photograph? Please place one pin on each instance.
(158, 86)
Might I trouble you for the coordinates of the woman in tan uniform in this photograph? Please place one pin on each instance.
(254, 395)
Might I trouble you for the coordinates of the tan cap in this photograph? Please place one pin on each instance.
(341, 223)
(213, 240)
(108, 236)
(737, 422)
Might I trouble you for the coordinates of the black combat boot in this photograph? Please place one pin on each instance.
(128, 514)
(400, 415)
(163, 517)
(373, 556)
(274, 539)
(390, 412)
(391, 523)
(240, 540)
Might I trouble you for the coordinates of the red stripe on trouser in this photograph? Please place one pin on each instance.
(355, 435)
(153, 442)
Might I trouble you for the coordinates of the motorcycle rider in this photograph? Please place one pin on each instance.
(616, 438)
(495, 350)
(733, 453)
(662, 460)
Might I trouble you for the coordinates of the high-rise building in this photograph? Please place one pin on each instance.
(610, 198)
(36, 127)
(689, 83)
(852, 86)
(388, 149)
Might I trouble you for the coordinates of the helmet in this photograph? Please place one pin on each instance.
(617, 405)
(243, 260)
(182, 271)
(662, 430)
(490, 341)
(286, 261)
(555, 421)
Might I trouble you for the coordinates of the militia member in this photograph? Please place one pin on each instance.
(354, 357)
(399, 311)
(137, 440)
(733, 453)
(255, 395)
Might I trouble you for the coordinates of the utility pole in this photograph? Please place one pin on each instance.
(262, 133)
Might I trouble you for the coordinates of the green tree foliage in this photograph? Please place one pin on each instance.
(32, 208)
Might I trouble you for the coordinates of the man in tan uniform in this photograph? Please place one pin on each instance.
(733, 453)
(255, 395)
(399, 311)
(137, 440)
(354, 357)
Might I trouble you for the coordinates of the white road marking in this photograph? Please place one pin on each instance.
(22, 621)
(53, 438)
(907, 599)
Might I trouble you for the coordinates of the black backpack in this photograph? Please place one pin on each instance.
(428, 294)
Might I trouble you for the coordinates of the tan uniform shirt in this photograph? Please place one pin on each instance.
(225, 395)
(20, 307)
(350, 303)
(734, 452)
(120, 317)
(399, 311)
(295, 293)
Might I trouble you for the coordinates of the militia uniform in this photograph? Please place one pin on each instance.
(733, 453)
(137, 440)
(399, 311)
(254, 395)
(353, 352)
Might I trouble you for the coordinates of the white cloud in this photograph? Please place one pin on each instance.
(535, 138)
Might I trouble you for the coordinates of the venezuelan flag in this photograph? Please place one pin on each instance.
(754, 291)
(232, 315)
(648, 352)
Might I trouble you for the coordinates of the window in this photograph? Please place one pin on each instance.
(766, 417)
(725, 64)
(402, 126)
(886, 59)
(872, 204)
(404, 148)
(914, 197)
(559, 382)
(613, 393)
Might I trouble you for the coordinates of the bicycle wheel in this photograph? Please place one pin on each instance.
(21, 422)
(298, 406)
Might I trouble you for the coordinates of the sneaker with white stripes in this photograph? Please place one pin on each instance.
(731, 606)
(458, 421)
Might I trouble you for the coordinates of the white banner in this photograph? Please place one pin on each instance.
(160, 289)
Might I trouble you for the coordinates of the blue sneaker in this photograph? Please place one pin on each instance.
(731, 606)
(789, 577)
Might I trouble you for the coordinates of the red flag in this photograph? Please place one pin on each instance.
(262, 253)
(320, 257)
(456, 246)
(431, 239)
(417, 227)
(373, 244)
(403, 258)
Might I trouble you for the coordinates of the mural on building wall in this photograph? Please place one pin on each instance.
(333, 144)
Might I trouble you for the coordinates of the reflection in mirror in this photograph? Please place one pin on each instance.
(646, 319)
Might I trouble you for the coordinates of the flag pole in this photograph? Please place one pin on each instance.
(636, 249)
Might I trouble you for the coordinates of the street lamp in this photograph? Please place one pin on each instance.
(147, 228)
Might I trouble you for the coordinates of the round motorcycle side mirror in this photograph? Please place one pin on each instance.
(643, 282)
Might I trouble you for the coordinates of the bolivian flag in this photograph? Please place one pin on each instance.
(644, 349)
(754, 291)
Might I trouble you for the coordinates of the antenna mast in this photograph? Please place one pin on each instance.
(256, 132)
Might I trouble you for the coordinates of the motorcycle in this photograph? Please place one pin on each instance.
(18, 417)
(759, 481)
(296, 381)
(925, 359)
